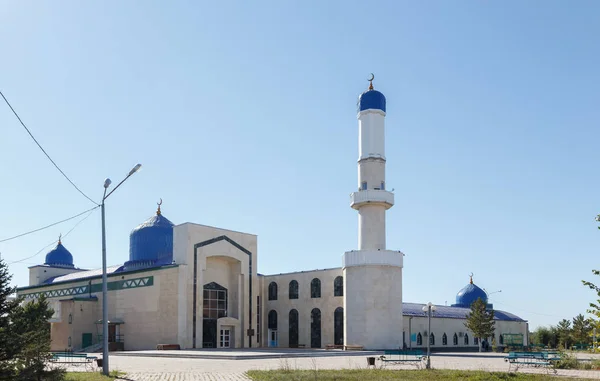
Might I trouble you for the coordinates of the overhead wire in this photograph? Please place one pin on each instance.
(43, 150)
(529, 312)
(48, 226)
(55, 241)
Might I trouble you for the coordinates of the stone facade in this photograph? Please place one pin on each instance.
(310, 333)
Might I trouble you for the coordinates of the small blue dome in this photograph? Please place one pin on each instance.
(151, 243)
(469, 294)
(59, 257)
(371, 99)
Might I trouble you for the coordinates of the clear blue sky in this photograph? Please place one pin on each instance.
(243, 115)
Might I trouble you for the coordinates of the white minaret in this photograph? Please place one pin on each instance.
(372, 274)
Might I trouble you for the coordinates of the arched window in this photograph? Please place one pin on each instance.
(431, 339)
(273, 319)
(272, 291)
(467, 339)
(455, 339)
(315, 288)
(338, 286)
(419, 339)
(501, 339)
(338, 326)
(293, 328)
(476, 341)
(444, 339)
(293, 290)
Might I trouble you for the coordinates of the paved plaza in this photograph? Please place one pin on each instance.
(174, 368)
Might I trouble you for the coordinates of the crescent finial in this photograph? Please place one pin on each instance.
(159, 204)
(471, 278)
(371, 81)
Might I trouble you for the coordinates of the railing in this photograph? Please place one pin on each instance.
(372, 196)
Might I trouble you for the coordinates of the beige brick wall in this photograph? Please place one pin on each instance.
(327, 304)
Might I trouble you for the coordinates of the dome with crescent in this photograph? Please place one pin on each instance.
(59, 257)
(469, 294)
(151, 243)
(371, 99)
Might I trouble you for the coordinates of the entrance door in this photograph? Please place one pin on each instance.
(209, 333)
(112, 333)
(225, 338)
(273, 337)
(86, 340)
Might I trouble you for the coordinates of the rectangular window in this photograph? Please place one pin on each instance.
(382, 185)
(364, 185)
(214, 304)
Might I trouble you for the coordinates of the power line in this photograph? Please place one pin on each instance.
(48, 226)
(55, 241)
(529, 312)
(44, 151)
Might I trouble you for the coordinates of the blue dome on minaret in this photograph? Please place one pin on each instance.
(371, 99)
(469, 294)
(151, 243)
(59, 257)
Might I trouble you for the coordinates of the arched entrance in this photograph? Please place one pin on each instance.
(272, 325)
(315, 328)
(293, 329)
(338, 326)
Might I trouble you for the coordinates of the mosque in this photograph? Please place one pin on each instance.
(198, 286)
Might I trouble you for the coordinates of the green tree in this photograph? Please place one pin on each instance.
(594, 306)
(480, 321)
(564, 332)
(8, 341)
(582, 329)
(24, 336)
(30, 324)
(541, 336)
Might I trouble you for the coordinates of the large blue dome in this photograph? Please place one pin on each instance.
(371, 99)
(151, 243)
(469, 294)
(59, 257)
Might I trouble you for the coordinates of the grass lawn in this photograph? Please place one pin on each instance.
(384, 375)
(91, 376)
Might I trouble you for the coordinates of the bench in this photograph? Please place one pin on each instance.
(168, 347)
(70, 358)
(334, 346)
(411, 357)
(353, 347)
(532, 360)
(301, 345)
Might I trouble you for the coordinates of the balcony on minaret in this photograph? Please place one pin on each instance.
(371, 196)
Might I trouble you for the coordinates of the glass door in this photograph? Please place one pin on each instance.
(225, 336)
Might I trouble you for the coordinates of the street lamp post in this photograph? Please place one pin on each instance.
(107, 183)
(429, 308)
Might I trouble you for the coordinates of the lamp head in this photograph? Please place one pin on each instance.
(135, 169)
(107, 183)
